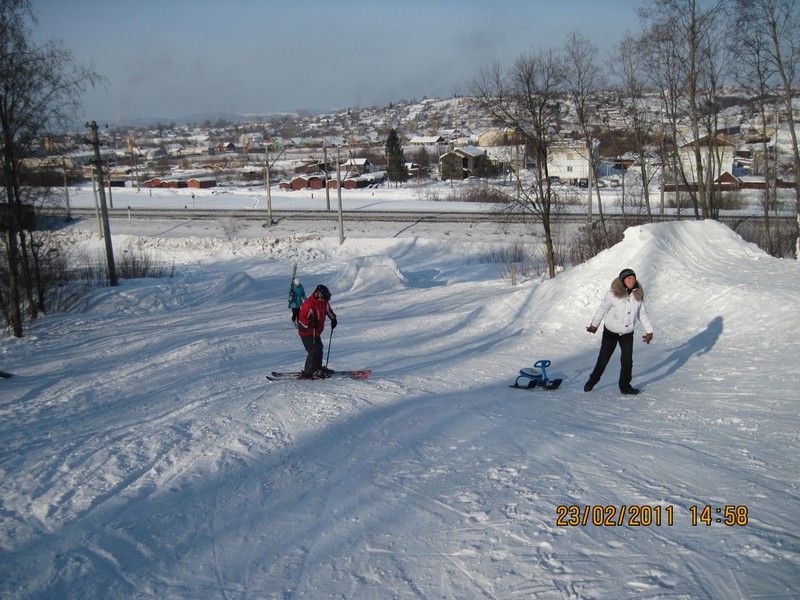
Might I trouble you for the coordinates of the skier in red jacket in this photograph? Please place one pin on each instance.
(310, 325)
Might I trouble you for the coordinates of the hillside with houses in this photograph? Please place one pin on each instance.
(442, 139)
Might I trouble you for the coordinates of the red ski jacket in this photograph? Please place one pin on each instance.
(311, 319)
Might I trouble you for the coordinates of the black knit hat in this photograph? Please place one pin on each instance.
(626, 273)
(323, 291)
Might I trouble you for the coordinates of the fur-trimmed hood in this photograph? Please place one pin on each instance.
(620, 291)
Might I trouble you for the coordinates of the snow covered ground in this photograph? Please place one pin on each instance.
(144, 454)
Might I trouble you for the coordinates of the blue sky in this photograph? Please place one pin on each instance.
(171, 58)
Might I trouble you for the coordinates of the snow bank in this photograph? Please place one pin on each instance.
(701, 268)
(236, 287)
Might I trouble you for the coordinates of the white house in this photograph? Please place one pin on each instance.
(724, 150)
(568, 159)
(357, 165)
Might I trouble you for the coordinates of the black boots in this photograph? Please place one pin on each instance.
(630, 390)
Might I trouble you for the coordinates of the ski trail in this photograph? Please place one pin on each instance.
(464, 570)
(212, 526)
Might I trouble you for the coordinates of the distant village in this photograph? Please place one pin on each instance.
(441, 139)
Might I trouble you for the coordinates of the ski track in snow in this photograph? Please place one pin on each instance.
(145, 455)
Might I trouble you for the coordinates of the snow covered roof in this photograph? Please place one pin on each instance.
(426, 140)
(470, 150)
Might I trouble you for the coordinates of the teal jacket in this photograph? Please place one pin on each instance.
(297, 296)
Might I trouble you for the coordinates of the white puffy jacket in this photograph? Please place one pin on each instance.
(621, 309)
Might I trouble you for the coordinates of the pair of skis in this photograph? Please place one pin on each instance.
(282, 376)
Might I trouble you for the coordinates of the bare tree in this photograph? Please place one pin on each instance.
(585, 80)
(39, 89)
(774, 25)
(686, 58)
(526, 101)
(663, 65)
(629, 66)
(759, 78)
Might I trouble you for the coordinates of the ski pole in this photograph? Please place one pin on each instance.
(328, 355)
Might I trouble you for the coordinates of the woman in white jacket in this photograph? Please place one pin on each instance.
(622, 306)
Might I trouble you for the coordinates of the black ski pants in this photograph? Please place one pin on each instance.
(607, 347)
(313, 346)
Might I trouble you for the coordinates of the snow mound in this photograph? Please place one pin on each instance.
(371, 275)
(236, 287)
(702, 265)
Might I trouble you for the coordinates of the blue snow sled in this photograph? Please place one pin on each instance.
(536, 377)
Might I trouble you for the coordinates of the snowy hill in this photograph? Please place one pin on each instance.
(145, 455)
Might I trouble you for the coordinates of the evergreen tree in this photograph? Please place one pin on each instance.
(423, 159)
(486, 168)
(396, 169)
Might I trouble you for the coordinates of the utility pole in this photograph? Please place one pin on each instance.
(112, 273)
(66, 189)
(132, 150)
(327, 189)
(266, 184)
(110, 193)
(97, 206)
(589, 195)
(339, 191)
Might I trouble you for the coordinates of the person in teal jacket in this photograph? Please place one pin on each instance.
(297, 295)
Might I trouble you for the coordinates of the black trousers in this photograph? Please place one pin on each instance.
(313, 346)
(607, 347)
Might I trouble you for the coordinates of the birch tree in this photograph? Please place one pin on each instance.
(628, 65)
(40, 88)
(685, 45)
(525, 100)
(584, 81)
(775, 26)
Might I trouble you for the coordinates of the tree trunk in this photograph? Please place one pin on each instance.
(14, 308)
